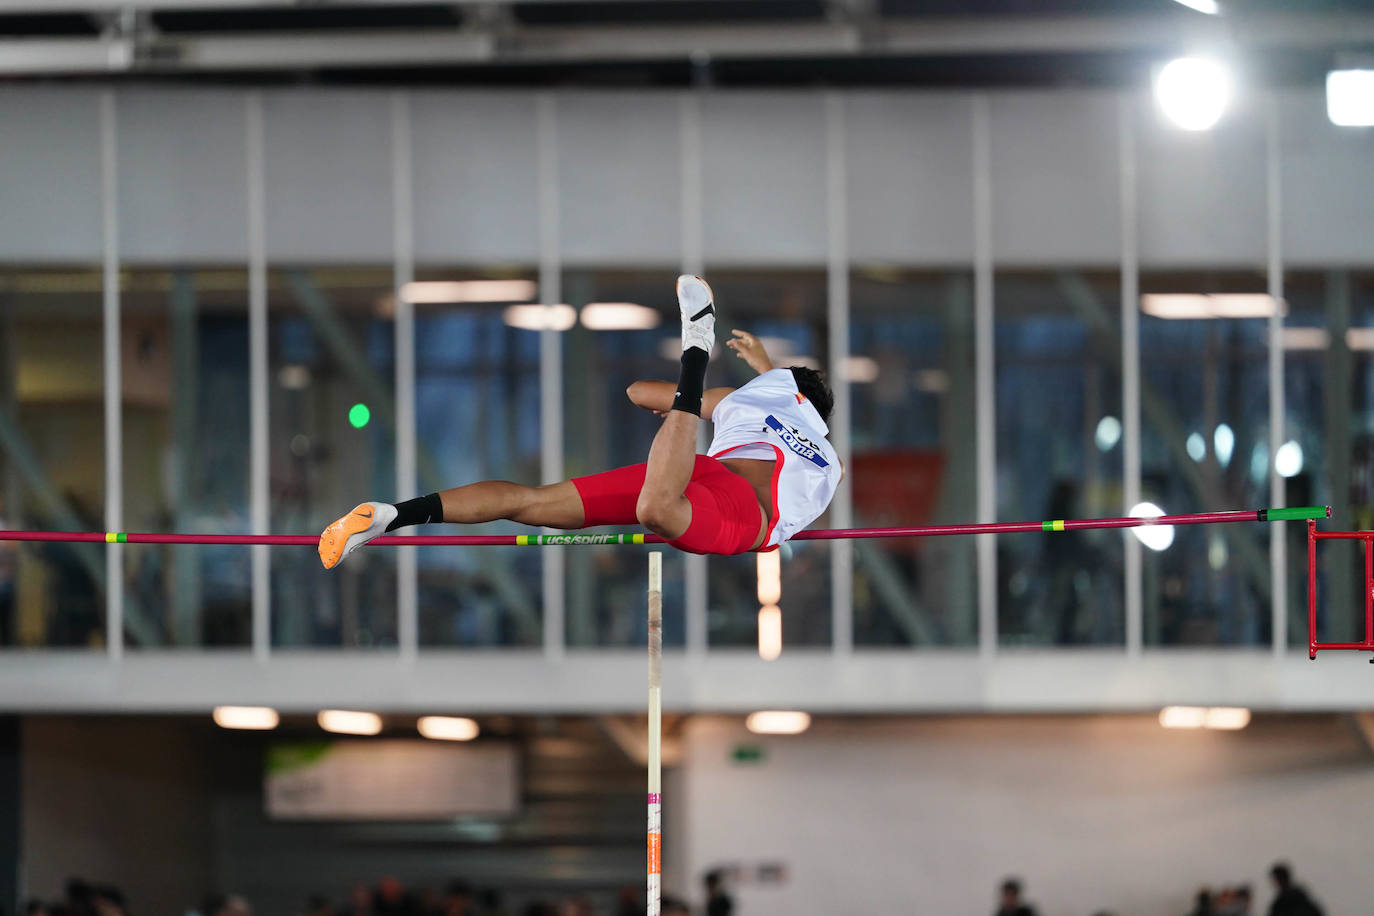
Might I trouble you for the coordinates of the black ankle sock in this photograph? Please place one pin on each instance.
(692, 380)
(418, 511)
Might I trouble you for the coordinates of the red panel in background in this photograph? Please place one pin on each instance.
(896, 486)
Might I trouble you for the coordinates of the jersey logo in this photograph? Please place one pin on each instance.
(797, 442)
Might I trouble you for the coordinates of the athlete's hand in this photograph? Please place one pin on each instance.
(748, 348)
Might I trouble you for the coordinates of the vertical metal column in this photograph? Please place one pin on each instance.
(984, 374)
(837, 310)
(1278, 534)
(403, 255)
(1130, 368)
(550, 362)
(257, 375)
(114, 432)
(697, 589)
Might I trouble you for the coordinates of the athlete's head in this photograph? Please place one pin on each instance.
(813, 387)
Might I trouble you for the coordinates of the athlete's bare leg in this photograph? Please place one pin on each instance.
(662, 507)
(557, 505)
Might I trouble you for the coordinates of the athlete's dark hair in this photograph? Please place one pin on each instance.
(813, 387)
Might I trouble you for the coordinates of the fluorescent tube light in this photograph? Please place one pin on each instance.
(778, 722)
(345, 722)
(257, 718)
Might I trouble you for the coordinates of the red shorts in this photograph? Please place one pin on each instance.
(726, 515)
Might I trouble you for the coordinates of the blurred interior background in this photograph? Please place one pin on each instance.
(261, 260)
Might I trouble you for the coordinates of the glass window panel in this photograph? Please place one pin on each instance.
(477, 415)
(1211, 586)
(186, 431)
(788, 309)
(1329, 393)
(603, 430)
(331, 347)
(911, 340)
(1058, 381)
(52, 454)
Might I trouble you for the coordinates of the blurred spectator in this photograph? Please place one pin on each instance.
(359, 901)
(391, 899)
(1202, 904)
(490, 903)
(1011, 904)
(317, 905)
(457, 899)
(35, 908)
(1289, 898)
(628, 902)
(674, 907)
(540, 909)
(718, 903)
(225, 905)
(1241, 904)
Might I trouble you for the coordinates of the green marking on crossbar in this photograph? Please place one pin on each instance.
(1296, 513)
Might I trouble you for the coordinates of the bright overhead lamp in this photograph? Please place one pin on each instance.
(1360, 338)
(769, 577)
(1288, 459)
(1304, 338)
(1108, 433)
(1193, 92)
(619, 316)
(1155, 537)
(1183, 716)
(1245, 305)
(438, 292)
(1224, 443)
(447, 728)
(345, 722)
(1350, 98)
(1223, 718)
(1210, 7)
(778, 722)
(1227, 718)
(770, 632)
(1195, 306)
(256, 718)
(861, 370)
(540, 317)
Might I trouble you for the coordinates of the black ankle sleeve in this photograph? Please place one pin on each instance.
(692, 381)
(418, 511)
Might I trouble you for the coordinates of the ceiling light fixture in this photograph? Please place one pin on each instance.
(447, 728)
(540, 317)
(619, 316)
(445, 292)
(778, 722)
(1193, 92)
(346, 722)
(1155, 537)
(1350, 98)
(256, 718)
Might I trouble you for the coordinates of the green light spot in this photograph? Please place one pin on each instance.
(359, 415)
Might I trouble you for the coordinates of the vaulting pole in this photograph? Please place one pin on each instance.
(655, 732)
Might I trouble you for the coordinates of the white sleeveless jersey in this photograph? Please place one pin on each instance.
(769, 418)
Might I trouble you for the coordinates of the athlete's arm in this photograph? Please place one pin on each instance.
(750, 349)
(658, 397)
